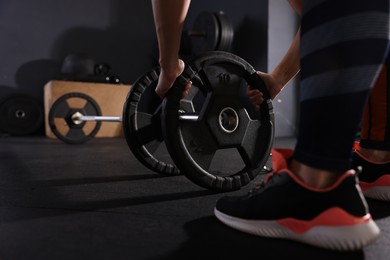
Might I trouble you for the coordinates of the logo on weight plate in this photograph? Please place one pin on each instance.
(224, 78)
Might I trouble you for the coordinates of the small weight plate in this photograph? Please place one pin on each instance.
(21, 115)
(64, 122)
(142, 125)
(226, 35)
(224, 143)
(205, 33)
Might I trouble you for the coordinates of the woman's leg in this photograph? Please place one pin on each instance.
(342, 52)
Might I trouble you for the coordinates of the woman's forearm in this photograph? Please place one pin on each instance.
(289, 66)
(169, 17)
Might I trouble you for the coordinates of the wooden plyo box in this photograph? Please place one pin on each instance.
(109, 97)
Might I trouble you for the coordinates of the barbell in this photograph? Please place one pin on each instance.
(213, 135)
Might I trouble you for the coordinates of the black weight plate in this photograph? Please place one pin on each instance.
(205, 33)
(142, 125)
(21, 115)
(64, 127)
(225, 143)
(226, 35)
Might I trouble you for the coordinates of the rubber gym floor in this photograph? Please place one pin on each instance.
(96, 201)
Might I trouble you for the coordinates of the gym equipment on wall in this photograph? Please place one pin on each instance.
(104, 73)
(21, 115)
(211, 31)
(223, 121)
(77, 65)
(81, 67)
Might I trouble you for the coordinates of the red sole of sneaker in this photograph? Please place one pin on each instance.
(334, 236)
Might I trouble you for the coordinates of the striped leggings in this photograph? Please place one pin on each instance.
(375, 129)
(344, 45)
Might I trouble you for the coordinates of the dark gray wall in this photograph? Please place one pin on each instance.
(36, 35)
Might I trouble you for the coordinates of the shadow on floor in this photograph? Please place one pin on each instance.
(208, 238)
(378, 209)
(92, 180)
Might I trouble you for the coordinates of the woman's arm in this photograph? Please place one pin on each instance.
(169, 17)
(286, 70)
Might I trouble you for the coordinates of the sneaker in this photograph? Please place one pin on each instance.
(374, 178)
(335, 218)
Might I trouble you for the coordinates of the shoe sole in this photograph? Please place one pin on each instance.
(335, 237)
(379, 189)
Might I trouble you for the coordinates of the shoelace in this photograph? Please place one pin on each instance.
(262, 184)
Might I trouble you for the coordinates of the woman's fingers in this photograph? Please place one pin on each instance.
(187, 88)
(255, 97)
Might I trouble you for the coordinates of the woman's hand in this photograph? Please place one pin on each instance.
(167, 77)
(272, 84)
